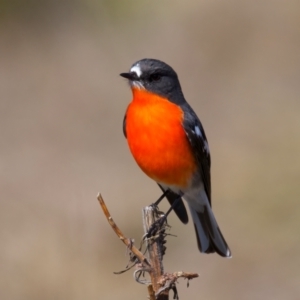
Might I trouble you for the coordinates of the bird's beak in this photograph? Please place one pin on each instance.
(131, 76)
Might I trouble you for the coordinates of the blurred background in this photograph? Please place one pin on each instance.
(61, 110)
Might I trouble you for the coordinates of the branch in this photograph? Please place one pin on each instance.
(156, 249)
(128, 242)
(161, 283)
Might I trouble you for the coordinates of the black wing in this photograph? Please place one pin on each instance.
(179, 209)
(198, 141)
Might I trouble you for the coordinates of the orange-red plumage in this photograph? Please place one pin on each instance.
(157, 139)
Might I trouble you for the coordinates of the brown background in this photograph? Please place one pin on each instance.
(61, 109)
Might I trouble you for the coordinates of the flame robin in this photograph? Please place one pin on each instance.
(168, 142)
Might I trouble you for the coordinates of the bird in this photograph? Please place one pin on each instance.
(168, 142)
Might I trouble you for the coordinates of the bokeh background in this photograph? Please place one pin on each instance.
(61, 109)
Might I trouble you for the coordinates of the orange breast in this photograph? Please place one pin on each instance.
(157, 139)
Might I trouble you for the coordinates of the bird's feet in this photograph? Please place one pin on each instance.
(159, 225)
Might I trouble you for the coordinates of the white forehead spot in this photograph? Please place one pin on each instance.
(137, 70)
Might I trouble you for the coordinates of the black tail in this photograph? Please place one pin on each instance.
(209, 236)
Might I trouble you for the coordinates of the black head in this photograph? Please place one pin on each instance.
(157, 77)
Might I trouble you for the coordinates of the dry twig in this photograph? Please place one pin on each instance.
(161, 283)
(128, 242)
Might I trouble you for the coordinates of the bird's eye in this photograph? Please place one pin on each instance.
(154, 77)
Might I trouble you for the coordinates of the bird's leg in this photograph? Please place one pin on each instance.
(155, 204)
(157, 225)
(165, 193)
